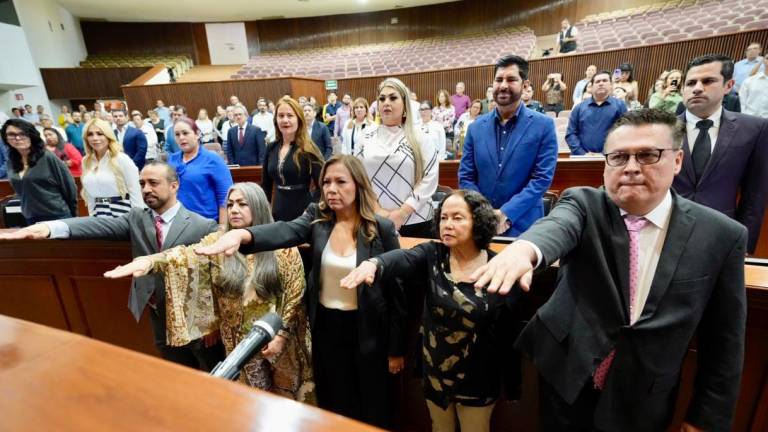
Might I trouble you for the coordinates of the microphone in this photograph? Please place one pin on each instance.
(262, 333)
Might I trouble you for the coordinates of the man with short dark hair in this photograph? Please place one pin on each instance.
(642, 270)
(245, 142)
(726, 153)
(581, 85)
(566, 39)
(343, 114)
(319, 134)
(488, 100)
(74, 131)
(170, 145)
(163, 112)
(329, 112)
(590, 120)
(264, 120)
(164, 224)
(132, 139)
(459, 100)
(510, 154)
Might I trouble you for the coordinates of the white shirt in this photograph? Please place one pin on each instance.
(388, 161)
(206, 130)
(651, 239)
(149, 132)
(754, 95)
(356, 132)
(121, 133)
(225, 130)
(434, 132)
(167, 218)
(415, 105)
(60, 230)
(692, 132)
(99, 181)
(333, 268)
(574, 33)
(266, 122)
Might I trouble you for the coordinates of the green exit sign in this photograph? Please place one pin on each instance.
(331, 85)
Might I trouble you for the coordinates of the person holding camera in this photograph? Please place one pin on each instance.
(554, 88)
(669, 97)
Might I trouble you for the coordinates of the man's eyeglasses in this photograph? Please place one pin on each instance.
(16, 136)
(644, 157)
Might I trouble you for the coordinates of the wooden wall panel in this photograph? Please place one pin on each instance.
(88, 83)
(200, 39)
(146, 38)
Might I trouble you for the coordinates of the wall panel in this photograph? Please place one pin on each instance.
(146, 38)
(88, 83)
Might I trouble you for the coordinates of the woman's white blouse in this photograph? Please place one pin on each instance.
(388, 160)
(100, 182)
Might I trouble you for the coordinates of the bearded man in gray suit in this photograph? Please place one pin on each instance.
(164, 225)
(642, 270)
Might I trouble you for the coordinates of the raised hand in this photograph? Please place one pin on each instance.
(227, 244)
(513, 264)
(34, 232)
(365, 272)
(138, 267)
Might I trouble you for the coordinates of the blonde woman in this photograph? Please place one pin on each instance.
(110, 179)
(670, 96)
(205, 125)
(361, 121)
(401, 163)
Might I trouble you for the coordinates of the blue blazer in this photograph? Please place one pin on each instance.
(322, 139)
(516, 183)
(135, 145)
(251, 151)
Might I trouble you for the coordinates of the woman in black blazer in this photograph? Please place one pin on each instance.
(357, 336)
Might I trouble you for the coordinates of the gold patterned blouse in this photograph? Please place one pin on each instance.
(196, 305)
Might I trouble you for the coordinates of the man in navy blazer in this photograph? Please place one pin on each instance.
(318, 131)
(251, 148)
(725, 153)
(133, 140)
(510, 153)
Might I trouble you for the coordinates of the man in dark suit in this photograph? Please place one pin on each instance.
(133, 140)
(642, 270)
(148, 235)
(245, 142)
(725, 153)
(318, 132)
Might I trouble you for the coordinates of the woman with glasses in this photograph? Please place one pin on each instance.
(432, 129)
(110, 178)
(361, 121)
(40, 180)
(401, 164)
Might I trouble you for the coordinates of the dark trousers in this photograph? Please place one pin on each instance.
(554, 107)
(193, 354)
(349, 382)
(556, 415)
(421, 230)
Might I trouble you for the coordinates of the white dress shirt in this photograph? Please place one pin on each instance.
(754, 95)
(266, 122)
(692, 132)
(100, 181)
(60, 230)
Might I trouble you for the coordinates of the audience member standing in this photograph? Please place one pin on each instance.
(329, 112)
(30, 115)
(433, 130)
(292, 164)
(360, 122)
(626, 80)
(754, 94)
(510, 155)
(581, 85)
(566, 38)
(670, 96)
(65, 117)
(488, 99)
(66, 152)
(590, 120)
(554, 88)
(132, 140)
(46, 121)
(205, 125)
(725, 153)
(264, 120)
(444, 113)
(462, 125)
(245, 142)
(317, 131)
(163, 112)
(150, 135)
(460, 101)
(158, 125)
(343, 114)
(530, 103)
(110, 178)
(170, 137)
(744, 67)
(40, 180)
(404, 193)
(204, 177)
(642, 270)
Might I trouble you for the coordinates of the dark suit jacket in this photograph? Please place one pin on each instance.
(381, 309)
(322, 139)
(138, 226)
(698, 287)
(737, 167)
(135, 145)
(251, 151)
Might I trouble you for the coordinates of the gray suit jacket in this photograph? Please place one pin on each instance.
(698, 287)
(138, 226)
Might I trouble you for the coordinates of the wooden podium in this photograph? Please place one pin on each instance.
(56, 380)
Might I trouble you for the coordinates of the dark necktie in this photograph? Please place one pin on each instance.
(702, 148)
(241, 137)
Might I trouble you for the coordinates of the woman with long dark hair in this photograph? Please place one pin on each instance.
(357, 336)
(40, 180)
(292, 164)
(63, 150)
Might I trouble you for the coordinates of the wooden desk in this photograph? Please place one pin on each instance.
(58, 283)
(56, 380)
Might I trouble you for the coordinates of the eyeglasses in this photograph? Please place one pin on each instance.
(425, 109)
(16, 136)
(644, 157)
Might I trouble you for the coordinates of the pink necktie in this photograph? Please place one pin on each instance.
(634, 225)
(241, 136)
(159, 232)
